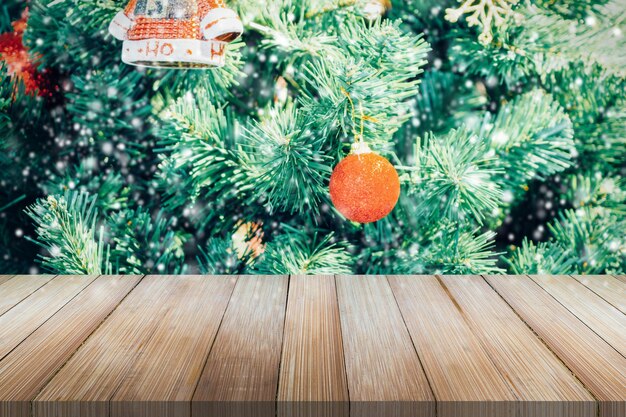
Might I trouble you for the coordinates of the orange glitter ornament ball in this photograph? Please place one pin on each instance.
(364, 187)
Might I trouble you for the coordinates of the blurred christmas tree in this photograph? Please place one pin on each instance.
(506, 120)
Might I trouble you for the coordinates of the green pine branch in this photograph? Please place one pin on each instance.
(454, 178)
(67, 230)
(285, 161)
(532, 138)
(294, 252)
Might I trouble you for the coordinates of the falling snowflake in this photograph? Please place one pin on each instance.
(484, 13)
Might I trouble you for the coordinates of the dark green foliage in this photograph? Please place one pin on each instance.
(110, 190)
(285, 162)
(143, 243)
(10, 10)
(79, 240)
(452, 251)
(498, 62)
(67, 230)
(592, 239)
(72, 35)
(220, 258)
(200, 163)
(446, 100)
(294, 252)
(454, 178)
(573, 8)
(531, 150)
(110, 105)
(540, 259)
(135, 170)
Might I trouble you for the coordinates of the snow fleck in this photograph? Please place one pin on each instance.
(55, 251)
(107, 148)
(500, 137)
(591, 21)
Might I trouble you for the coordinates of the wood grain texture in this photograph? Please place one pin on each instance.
(385, 377)
(594, 362)
(544, 385)
(329, 346)
(27, 369)
(463, 378)
(162, 381)
(23, 319)
(313, 347)
(5, 278)
(621, 278)
(17, 288)
(604, 319)
(241, 372)
(84, 386)
(91, 378)
(611, 289)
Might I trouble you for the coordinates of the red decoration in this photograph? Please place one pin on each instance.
(364, 187)
(18, 61)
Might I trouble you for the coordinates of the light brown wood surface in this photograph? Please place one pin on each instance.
(24, 318)
(17, 288)
(607, 287)
(27, 369)
(604, 319)
(163, 379)
(241, 373)
(298, 346)
(457, 365)
(594, 362)
(385, 376)
(5, 278)
(543, 384)
(90, 378)
(313, 346)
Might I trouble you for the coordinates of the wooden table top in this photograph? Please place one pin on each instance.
(312, 346)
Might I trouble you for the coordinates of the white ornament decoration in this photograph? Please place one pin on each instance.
(374, 9)
(176, 33)
(484, 13)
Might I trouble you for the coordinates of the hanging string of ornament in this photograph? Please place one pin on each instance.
(364, 186)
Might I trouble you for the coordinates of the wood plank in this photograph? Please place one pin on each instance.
(604, 319)
(23, 319)
(385, 377)
(608, 287)
(312, 371)
(621, 278)
(18, 288)
(545, 386)
(90, 379)
(5, 278)
(33, 363)
(241, 374)
(463, 378)
(594, 362)
(163, 380)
